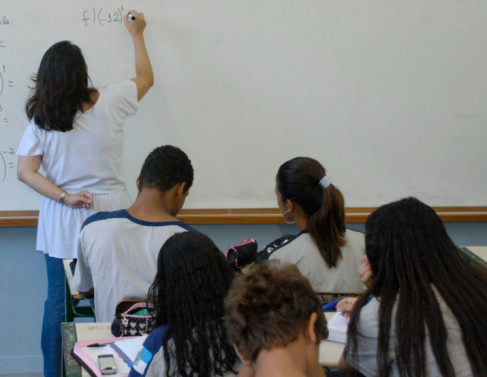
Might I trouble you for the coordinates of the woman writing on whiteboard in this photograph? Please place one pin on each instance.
(323, 250)
(75, 134)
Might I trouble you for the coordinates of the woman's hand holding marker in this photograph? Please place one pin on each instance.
(135, 22)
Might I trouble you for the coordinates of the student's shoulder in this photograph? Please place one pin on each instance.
(171, 226)
(118, 86)
(185, 227)
(295, 241)
(355, 241)
(286, 250)
(369, 318)
(175, 226)
(354, 235)
(104, 215)
(154, 340)
(147, 361)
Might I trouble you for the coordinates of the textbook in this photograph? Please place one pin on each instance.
(124, 351)
(337, 328)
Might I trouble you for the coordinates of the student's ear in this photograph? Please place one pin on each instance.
(289, 207)
(180, 189)
(309, 332)
(137, 182)
(242, 358)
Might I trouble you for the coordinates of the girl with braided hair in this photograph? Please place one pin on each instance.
(188, 291)
(423, 313)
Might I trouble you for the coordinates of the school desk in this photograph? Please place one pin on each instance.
(480, 251)
(329, 353)
(71, 332)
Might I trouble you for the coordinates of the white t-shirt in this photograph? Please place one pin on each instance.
(367, 339)
(303, 252)
(88, 157)
(117, 256)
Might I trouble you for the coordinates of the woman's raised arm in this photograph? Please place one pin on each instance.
(144, 78)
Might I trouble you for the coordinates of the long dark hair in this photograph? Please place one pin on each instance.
(188, 291)
(299, 181)
(60, 88)
(410, 254)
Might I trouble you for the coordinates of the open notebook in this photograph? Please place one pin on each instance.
(337, 328)
(124, 350)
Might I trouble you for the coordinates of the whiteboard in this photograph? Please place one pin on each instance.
(391, 96)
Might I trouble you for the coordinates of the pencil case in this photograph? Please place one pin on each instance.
(242, 254)
(137, 320)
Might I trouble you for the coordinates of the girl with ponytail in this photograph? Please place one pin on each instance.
(323, 250)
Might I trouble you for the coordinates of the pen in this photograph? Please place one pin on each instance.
(100, 344)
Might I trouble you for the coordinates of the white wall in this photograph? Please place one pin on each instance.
(389, 95)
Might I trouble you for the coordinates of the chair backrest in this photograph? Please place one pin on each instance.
(326, 297)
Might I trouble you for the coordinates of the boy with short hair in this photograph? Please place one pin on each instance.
(117, 251)
(275, 321)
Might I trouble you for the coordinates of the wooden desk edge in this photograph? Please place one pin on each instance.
(353, 215)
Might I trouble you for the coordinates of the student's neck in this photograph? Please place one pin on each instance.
(151, 205)
(279, 362)
(302, 223)
(297, 359)
(300, 217)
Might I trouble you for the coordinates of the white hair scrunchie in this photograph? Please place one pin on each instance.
(325, 182)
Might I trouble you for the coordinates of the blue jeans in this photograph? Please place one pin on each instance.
(54, 314)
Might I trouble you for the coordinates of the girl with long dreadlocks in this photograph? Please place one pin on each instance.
(192, 280)
(423, 313)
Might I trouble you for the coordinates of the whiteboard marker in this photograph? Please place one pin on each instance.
(131, 16)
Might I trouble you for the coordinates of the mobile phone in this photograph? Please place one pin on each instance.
(107, 364)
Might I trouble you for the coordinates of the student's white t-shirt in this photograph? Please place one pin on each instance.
(117, 256)
(303, 252)
(364, 358)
